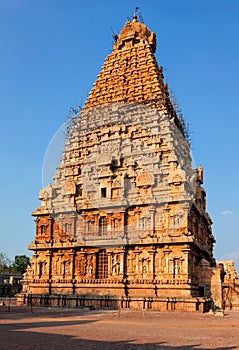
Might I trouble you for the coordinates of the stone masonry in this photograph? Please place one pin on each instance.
(125, 223)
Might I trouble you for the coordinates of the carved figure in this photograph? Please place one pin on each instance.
(89, 266)
(115, 265)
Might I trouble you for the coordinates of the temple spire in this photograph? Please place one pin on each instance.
(130, 73)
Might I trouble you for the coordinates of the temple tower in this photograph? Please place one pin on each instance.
(125, 224)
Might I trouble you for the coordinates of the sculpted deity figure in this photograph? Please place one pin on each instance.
(115, 265)
(89, 265)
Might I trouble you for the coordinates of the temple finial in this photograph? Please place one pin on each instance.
(135, 17)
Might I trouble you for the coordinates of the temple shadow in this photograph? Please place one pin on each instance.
(19, 336)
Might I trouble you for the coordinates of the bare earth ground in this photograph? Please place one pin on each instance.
(64, 329)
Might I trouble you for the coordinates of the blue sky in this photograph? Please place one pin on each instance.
(50, 54)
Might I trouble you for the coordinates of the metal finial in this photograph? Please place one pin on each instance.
(135, 17)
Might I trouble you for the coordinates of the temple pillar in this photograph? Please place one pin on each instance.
(152, 218)
(185, 262)
(74, 219)
(123, 221)
(51, 227)
(167, 265)
(122, 263)
(110, 264)
(151, 263)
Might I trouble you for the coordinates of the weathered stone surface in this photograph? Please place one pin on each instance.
(126, 215)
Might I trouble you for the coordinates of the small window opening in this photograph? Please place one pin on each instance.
(103, 192)
(79, 190)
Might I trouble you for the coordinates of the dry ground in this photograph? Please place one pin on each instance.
(54, 329)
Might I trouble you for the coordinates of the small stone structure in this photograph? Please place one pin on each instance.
(125, 223)
(230, 285)
(10, 284)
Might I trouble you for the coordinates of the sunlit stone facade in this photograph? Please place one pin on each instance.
(125, 224)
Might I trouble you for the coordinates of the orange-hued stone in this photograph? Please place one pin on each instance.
(125, 224)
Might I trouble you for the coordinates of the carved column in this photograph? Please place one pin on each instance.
(129, 264)
(72, 256)
(96, 224)
(37, 266)
(60, 270)
(137, 213)
(185, 264)
(166, 218)
(94, 266)
(122, 212)
(34, 263)
(160, 255)
(83, 223)
(186, 218)
(137, 262)
(152, 218)
(122, 266)
(109, 264)
(49, 263)
(152, 262)
(37, 226)
(109, 223)
(74, 219)
(60, 223)
(167, 251)
(51, 227)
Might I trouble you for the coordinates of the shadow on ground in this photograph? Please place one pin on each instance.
(19, 336)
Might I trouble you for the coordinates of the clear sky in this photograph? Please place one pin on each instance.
(50, 54)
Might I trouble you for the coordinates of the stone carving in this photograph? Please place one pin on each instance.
(115, 265)
(70, 188)
(200, 174)
(89, 265)
(123, 199)
(144, 179)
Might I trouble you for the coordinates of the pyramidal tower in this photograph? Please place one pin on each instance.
(124, 224)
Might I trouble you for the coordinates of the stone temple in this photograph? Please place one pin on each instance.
(124, 223)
